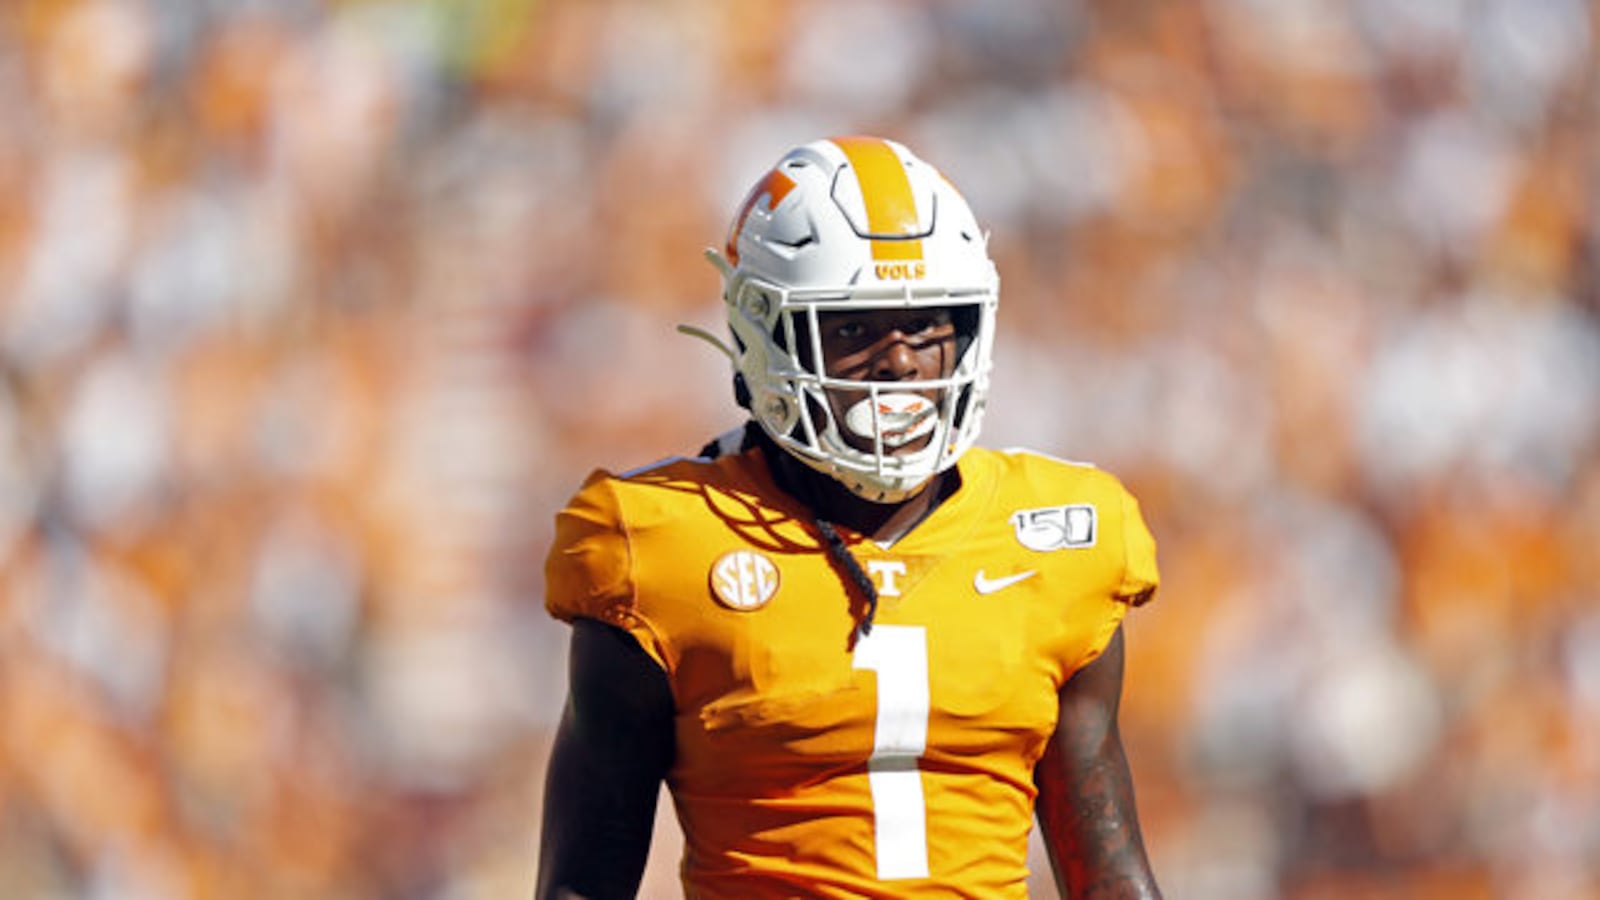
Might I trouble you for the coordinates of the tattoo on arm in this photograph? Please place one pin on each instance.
(1086, 803)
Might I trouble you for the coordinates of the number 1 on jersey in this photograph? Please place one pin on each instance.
(899, 656)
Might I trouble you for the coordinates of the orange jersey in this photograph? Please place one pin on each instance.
(813, 763)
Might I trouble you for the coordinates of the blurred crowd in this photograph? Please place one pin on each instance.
(312, 313)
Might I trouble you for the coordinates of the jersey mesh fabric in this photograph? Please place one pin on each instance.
(776, 717)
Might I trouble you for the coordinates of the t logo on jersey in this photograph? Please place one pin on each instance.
(1056, 527)
(886, 573)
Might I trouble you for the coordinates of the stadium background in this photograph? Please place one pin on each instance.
(312, 313)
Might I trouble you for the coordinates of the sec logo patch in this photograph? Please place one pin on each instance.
(744, 580)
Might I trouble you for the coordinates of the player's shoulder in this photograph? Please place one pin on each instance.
(1057, 504)
(1033, 470)
(663, 480)
(667, 469)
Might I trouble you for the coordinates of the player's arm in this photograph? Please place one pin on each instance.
(1086, 810)
(612, 750)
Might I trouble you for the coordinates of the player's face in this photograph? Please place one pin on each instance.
(888, 345)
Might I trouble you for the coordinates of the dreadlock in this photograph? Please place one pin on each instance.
(844, 559)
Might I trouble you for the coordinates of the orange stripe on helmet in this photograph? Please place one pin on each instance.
(891, 206)
(775, 185)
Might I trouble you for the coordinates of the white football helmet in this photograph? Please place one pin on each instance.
(857, 223)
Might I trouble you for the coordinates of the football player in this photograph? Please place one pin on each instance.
(862, 653)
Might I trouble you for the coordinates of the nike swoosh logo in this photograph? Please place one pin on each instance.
(990, 585)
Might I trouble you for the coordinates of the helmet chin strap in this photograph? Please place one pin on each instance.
(875, 493)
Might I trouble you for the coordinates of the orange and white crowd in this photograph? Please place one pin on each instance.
(312, 313)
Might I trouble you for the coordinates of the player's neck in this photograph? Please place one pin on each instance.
(884, 523)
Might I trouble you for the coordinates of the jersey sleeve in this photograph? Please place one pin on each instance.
(589, 570)
(1140, 576)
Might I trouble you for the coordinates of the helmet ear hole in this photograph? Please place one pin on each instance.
(758, 306)
(779, 413)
